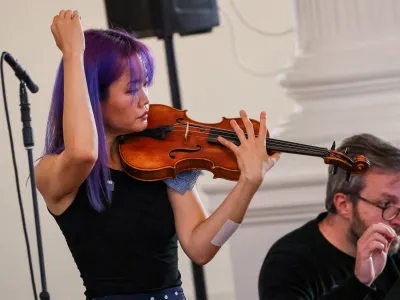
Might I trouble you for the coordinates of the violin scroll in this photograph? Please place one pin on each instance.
(359, 165)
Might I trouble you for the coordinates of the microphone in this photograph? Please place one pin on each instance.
(21, 73)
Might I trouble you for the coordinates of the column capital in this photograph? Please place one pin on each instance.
(343, 48)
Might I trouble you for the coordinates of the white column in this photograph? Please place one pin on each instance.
(341, 23)
(345, 75)
(343, 41)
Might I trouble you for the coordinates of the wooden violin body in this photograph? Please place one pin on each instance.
(173, 143)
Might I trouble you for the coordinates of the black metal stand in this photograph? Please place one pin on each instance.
(172, 72)
(197, 270)
(29, 143)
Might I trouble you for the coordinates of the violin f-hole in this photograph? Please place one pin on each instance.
(186, 150)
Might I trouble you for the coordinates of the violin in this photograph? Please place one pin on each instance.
(173, 143)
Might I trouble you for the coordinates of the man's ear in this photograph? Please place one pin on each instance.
(343, 205)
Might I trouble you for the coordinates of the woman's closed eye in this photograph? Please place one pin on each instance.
(132, 91)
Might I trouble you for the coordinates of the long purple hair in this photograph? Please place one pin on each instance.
(107, 53)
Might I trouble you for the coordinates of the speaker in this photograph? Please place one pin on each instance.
(145, 18)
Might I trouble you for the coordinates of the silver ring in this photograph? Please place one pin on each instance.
(73, 16)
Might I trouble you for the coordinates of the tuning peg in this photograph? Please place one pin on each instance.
(333, 145)
(348, 174)
(334, 170)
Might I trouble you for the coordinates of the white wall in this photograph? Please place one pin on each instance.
(347, 60)
(212, 85)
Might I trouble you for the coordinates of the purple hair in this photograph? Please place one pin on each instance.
(107, 53)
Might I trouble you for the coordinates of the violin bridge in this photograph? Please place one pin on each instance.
(187, 131)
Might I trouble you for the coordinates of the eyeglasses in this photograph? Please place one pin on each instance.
(389, 211)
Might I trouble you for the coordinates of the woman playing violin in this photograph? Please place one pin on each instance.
(123, 232)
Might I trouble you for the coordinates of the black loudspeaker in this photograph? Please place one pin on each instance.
(144, 18)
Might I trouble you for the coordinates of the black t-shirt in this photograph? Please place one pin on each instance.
(303, 265)
(131, 246)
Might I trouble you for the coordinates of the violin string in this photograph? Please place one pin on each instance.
(226, 133)
(282, 145)
(288, 149)
(271, 143)
(277, 145)
(285, 149)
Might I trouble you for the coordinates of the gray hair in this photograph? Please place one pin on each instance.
(382, 155)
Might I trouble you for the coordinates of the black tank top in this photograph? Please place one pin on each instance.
(131, 246)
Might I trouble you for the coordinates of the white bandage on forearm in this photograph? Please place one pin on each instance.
(225, 233)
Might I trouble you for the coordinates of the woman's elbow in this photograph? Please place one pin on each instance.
(202, 258)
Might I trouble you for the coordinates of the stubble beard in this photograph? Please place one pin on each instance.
(358, 227)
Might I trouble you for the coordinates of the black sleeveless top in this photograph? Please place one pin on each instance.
(130, 247)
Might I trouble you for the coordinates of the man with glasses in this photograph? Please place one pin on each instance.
(352, 250)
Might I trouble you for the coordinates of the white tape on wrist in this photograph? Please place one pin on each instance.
(267, 165)
(227, 230)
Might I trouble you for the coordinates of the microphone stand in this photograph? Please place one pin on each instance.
(27, 134)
